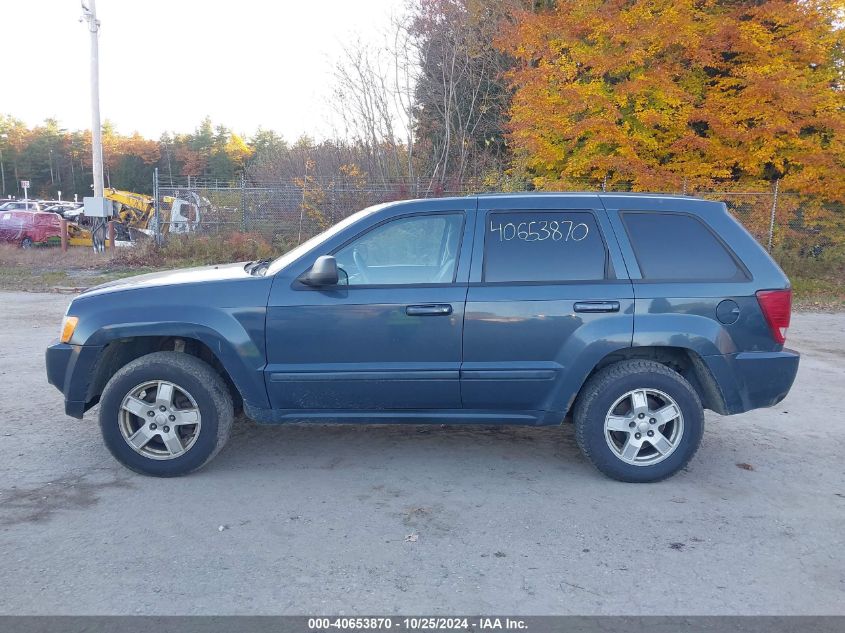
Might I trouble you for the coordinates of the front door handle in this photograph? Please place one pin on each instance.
(597, 306)
(429, 309)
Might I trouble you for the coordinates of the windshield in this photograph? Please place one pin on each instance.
(297, 252)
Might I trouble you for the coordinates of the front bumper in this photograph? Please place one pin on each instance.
(69, 369)
(753, 380)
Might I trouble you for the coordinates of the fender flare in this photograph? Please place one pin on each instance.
(240, 357)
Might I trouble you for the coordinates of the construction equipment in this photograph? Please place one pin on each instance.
(137, 211)
(135, 216)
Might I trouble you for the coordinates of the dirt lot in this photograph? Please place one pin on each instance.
(314, 519)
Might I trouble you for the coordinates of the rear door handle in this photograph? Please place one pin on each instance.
(597, 306)
(430, 309)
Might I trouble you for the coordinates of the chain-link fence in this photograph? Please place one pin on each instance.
(804, 225)
(285, 213)
(290, 212)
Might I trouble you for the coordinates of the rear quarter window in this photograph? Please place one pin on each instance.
(679, 247)
(543, 246)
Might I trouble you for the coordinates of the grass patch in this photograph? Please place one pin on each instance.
(49, 258)
(15, 278)
(818, 283)
(184, 251)
(41, 280)
(45, 269)
(818, 294)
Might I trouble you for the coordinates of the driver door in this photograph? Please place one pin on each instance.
(388, 337)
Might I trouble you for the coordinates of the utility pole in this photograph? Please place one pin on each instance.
(89, 13)
(774, 213)
(3, 138)
(97, 208)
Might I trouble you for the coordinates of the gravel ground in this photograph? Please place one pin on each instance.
(407, 519)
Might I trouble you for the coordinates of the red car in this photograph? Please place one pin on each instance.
(29, 227)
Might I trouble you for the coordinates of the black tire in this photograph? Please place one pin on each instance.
(26, 243)
(208, 390)
(611, 383)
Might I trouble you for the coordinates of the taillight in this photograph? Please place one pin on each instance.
(777, 308)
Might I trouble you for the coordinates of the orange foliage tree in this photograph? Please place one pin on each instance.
(661, 93)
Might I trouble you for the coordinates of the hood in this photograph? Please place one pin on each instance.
(172, 278)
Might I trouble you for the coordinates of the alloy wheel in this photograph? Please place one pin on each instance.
(644, 427)
(159, 419)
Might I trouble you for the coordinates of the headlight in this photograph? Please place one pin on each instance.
(68, 326)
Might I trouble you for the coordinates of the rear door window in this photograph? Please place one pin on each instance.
(543, 246)
(679, 247)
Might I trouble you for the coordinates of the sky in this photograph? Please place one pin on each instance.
(164, 65)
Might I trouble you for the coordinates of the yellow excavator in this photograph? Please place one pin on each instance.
(134, 216)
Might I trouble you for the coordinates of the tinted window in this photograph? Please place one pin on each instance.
(543, 246)
(678, 247)
(420, 249)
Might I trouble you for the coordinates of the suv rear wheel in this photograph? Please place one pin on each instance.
(165, 414)
(638, 421)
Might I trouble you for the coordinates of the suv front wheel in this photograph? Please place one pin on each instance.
(165, 414)
(638, 421)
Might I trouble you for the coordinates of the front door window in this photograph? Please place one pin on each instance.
(411, 250)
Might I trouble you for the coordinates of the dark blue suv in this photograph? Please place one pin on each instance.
(628, 314)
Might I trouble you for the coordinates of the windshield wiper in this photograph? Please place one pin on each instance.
(253, 267)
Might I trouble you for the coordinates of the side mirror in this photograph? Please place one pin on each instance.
(323, 272)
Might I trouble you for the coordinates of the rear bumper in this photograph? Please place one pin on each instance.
(753, 380)
(69, 369)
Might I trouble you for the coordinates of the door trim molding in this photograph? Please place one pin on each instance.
(386, 376)
(508, 374)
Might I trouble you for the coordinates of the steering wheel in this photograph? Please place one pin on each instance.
(360, 264)
(446, 265)
(444, 274)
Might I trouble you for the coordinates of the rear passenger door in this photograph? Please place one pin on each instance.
(548, 297)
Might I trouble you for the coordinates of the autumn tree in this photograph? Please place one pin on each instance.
(54, 159)
(460, 98)
(374, 100)
(211, 152)
(44, 155)
(428, 106)
(652, 93)
(265, 141)
(129, 161)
